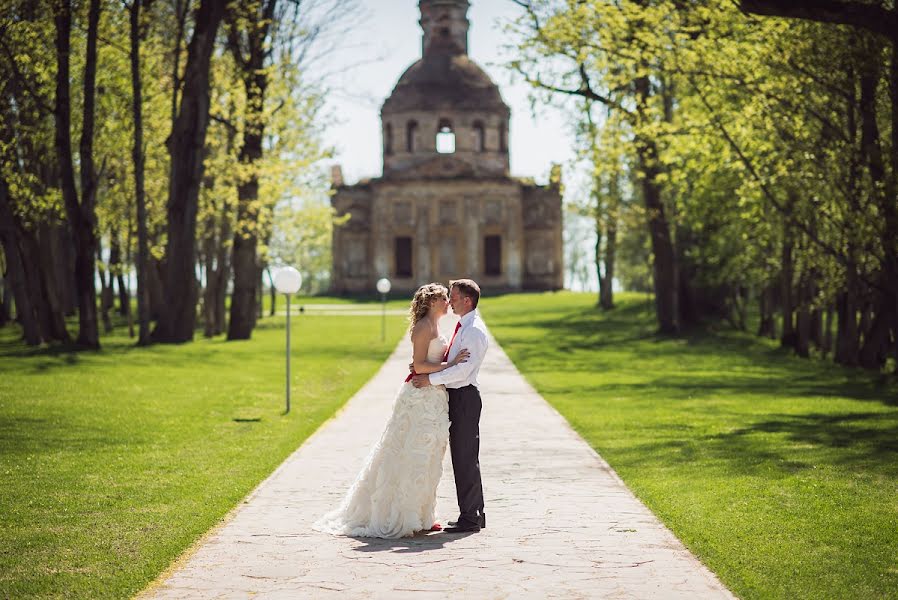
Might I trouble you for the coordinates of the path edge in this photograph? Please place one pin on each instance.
(232, 513)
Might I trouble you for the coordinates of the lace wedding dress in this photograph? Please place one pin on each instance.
(395, 493)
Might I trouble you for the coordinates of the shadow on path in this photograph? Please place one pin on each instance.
(418, 543)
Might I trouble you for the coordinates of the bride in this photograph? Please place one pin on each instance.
(395, 493)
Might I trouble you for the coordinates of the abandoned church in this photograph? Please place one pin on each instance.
(446, 206)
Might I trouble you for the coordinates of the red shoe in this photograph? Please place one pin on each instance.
(436, 527)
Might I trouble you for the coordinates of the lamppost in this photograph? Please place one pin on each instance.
(383, 286)
(288, 281)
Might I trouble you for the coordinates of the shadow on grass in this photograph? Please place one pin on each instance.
(869, 433)
(705, 393)
(865, 443)
(710, 363)
(30, 436)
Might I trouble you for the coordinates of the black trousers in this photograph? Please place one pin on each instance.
(464, 444)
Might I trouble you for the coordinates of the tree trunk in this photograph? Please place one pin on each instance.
(803, 319)
(34, 282)
(81, 215)
(15, 270)
(665, 269)
(827, 345)
(817, 328)
(767, 326)
(876, 337)
(106, 295)
(209, 244)
(606, 298)
(5, 298)
(786, 292)
(223, 269)
(598, 248)
(892, 225)
(272, 292)
(243, 298)
(50, 283)
(177, 319)
(246, 270)
(665, 274)
(260, 279)
(847, 333)
(155, 296)
(866, 319)
(889, 207)
(64, 250)
(137, 155)
(606, 219)
(117, 270)
(245, 308)
(815, 315)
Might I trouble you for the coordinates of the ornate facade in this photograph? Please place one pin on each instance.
(446, 206)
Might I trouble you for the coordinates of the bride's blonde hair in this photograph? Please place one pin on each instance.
(422, 300)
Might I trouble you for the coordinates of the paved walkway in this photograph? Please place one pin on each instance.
(561, 523)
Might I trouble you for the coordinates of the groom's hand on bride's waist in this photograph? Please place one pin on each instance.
(420, 381)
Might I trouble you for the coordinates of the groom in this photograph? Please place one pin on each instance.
(464, 404)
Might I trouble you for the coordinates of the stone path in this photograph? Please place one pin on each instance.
(561, 523)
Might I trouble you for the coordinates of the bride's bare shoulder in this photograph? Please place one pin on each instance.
(422, 331)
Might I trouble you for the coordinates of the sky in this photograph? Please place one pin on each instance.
(385, 42)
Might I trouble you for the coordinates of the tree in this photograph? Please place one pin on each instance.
(80, 212)
(768, 144)
(136, 32)
(623, 72)
(881, 20)
(177, 318)
(250, 25)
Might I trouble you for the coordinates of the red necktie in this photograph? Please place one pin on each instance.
(449, 347)
(445, 356)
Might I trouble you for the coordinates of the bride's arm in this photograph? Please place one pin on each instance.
(420, 344)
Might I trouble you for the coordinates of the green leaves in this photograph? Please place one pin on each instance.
(757, 123)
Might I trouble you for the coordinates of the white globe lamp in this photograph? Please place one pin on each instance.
(287, 281)
(383, 286)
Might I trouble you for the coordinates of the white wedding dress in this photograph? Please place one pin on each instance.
(394, 495)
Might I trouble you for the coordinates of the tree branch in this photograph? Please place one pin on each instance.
(768, 193)
(843, 12)
(584, 91)
(39, 100)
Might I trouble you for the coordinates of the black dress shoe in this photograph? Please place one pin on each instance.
(463, 528)
(482, 522)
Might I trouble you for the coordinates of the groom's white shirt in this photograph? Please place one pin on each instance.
(472, 336)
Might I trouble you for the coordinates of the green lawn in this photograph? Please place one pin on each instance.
(781, 474)
(114, 462)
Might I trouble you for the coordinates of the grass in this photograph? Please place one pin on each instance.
(114, 462)
(780, 474)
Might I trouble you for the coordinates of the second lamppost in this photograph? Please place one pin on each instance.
(383, 286)
(288, 281)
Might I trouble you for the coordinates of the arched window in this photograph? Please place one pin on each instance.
(411, 134)
(503, 142)
(479, 137)
(445, 137)
(388, 139)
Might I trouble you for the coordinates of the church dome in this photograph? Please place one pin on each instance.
(445, 81)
